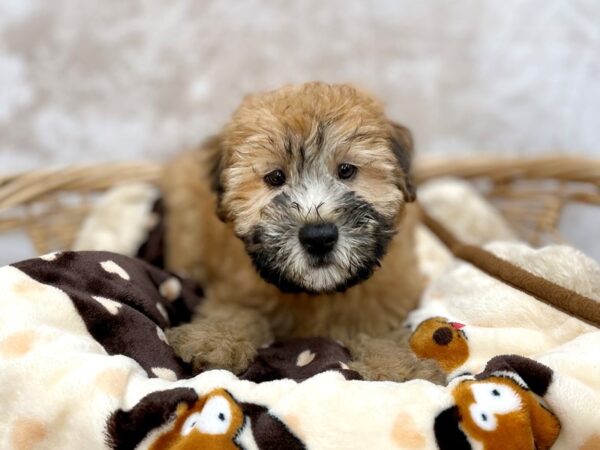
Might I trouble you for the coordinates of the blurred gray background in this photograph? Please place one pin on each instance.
(90, 81)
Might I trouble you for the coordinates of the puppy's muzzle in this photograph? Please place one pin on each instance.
(318, 239)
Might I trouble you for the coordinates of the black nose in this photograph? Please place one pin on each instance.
(318, 239)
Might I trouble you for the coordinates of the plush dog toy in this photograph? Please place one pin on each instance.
(296, 220)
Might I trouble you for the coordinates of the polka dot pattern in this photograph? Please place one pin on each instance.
(305, 358)
(119, 301)
(112, 267)
(27, 433)
(161, 335)
(17, 344)
(299, 359)
(112, 381)
(170, 289)
(164, 373)
(126, 304)
(591, 443)
(50, 256)
(110, 305)
(162, 310)
(405, 433)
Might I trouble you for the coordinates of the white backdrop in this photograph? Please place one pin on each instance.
(88, 81)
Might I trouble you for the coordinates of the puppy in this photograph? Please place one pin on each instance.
(312, 236)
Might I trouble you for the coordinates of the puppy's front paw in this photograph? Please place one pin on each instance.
(387, 360)
(211, 346)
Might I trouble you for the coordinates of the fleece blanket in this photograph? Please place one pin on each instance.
(84, 363)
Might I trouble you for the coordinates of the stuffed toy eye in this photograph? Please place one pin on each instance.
(492, 399)
(215, 418)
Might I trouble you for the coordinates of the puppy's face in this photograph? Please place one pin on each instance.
(312, 178)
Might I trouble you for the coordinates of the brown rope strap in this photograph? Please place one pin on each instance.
(563, 299)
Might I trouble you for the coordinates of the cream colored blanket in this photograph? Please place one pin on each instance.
(84, 362)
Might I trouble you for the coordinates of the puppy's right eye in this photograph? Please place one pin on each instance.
(346, 171)
(275, 178)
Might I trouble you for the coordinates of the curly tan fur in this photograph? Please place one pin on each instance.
(241, 310)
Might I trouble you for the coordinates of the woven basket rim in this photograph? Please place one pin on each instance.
(536, 209)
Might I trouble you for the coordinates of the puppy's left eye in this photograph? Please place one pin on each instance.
(346, 171)
(275, 178)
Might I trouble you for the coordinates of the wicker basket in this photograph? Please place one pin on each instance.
(50, 204)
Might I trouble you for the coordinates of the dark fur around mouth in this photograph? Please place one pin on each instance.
(356, 218)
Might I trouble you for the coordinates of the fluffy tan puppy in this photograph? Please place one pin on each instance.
(312, 235)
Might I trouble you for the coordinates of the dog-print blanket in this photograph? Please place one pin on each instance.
(84, 362)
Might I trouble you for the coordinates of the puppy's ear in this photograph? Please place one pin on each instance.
(215, 160)
(403, 148)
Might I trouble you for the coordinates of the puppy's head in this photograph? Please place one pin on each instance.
(312, 177)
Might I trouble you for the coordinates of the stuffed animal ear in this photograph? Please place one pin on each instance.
(403, 148)
(537, 376)
(212, 149)
(126, 429)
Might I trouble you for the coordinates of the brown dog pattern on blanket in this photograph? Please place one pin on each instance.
(215, 421)
(500, 408)
(297, 394)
